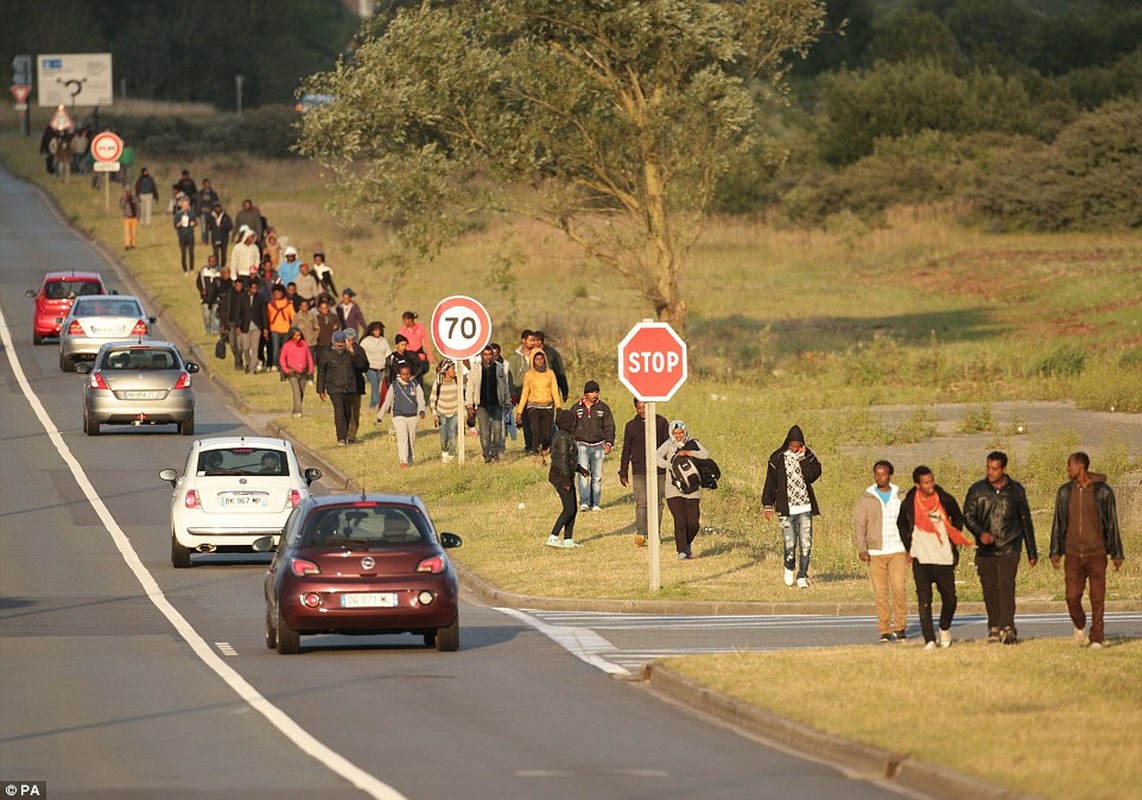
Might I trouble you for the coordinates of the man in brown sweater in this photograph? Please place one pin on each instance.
(1085, 531)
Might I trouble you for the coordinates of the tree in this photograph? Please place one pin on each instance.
(609, 120)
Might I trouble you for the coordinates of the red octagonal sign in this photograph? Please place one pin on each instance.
(652, 361)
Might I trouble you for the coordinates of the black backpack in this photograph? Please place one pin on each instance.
(684, 474)
(709, 471)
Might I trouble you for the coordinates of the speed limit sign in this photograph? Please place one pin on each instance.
(461, 327)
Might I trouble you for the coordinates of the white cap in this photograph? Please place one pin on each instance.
(290, 251)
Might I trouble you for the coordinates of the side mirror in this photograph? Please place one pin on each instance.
(30, 293)
(169, 475)
(191, 367)
(152, 320)
(448, 540)
(264, 544)
(312, 474)
(84, 367)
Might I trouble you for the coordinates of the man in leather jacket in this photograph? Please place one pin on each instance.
(998, 515)
(1085, 530)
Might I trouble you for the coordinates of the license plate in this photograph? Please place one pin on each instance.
(369, 600)
(143, 395)
(242, 500)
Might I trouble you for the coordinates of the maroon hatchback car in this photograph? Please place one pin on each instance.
(54, 297)
(361, 564)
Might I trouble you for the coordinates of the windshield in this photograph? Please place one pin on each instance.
(63, 289)
(140, 358)
(106, 306)
(243, 461)
(366, 522)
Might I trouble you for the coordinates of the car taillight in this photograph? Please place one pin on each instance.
(294, 497)
(75, 329)
(183, 381)
(140, 329)
(435, 565)
(191, 500)
(300, 568)
(96, 381)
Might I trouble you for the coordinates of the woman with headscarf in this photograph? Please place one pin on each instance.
(540, 398)
(684, 501)
(564, 465)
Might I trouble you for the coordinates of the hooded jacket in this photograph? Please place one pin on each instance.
(564, 453)
(539, 388)
(1107, 514)
(775, 492)
(295, 356)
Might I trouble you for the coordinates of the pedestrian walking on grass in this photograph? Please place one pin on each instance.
(487, 395)
(129, 205)
(1085, 532)
(594, 438)
(998, 515)
(377, 349)
(244, 256)
(359, 371)
(279, 322)
(209, 285)
(349, 312)
(205, 202)
(684, 491)
(539, 399)
(564, 466)
(185, 221)
(148, 193)
(218, 227)
(632, 467)
(337, 380)
(405, 399)
(250, 319)
(929, 524)
(296, 364)
(789, 476)
(446, 396)
(878, 544)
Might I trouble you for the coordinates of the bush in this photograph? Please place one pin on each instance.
(267, 131)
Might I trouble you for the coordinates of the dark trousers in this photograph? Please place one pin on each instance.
(342, 412)
(525, 423)
(186, 248)
(566, 520)
(219, 250)
(541, 421)
(997, 577)
(1077, 570)
(944, 577)
(354, 416)
(687, 513)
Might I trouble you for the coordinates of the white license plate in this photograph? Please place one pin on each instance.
(137, 395)
(242, 500)
(369, 600)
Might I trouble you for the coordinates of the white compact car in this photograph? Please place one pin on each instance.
(233, 490)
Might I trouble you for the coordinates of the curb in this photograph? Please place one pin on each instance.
(854, 758)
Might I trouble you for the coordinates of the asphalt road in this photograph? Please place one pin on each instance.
(121, 677)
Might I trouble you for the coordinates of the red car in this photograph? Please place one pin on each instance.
(55, 296)
(361, 564)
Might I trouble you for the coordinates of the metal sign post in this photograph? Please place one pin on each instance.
(650, 430)
(460, 329)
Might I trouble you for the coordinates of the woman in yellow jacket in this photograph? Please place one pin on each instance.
(538, 401)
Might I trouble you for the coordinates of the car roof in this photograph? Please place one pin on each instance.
(118, 298)
(223, 442)
(75, 275)
(381, 499)
(155, 343)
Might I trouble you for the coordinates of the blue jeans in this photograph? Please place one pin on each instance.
(209, 320)
(798, 529)
(448, 434)
(276, 342)
(373, 376)
(590, 459)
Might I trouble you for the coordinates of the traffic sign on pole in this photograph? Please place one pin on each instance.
(106, 147)
(61, 120)
(652, 361)
(461, 327)
(20, 92)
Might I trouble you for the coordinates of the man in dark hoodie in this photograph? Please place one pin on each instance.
(1085, 530)
(337, 369)
(561, 475)
(788, 490)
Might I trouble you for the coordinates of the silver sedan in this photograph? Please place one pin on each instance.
(142, 382)
(94, 320)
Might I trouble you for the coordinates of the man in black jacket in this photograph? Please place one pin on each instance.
(1085, 530)
(788, 490)
(633, 458)
(929, 522)
(337, 368)
(594, 433)
(998, 515)
(248, 315)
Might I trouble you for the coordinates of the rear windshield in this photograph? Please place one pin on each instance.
(106, 306)
(63, 289)
(140, 358)
(243, 461)
(377, 524)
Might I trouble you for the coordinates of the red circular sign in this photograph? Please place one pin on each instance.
(106, 147)
(461, 327)
(652, 361)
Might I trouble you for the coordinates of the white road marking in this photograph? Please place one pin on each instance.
(276, 717)
(226, 649)
(583, 643)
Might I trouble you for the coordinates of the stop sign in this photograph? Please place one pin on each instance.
(652, 361)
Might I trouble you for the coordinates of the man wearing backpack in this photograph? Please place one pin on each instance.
(788, 490)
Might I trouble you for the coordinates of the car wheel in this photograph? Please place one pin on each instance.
(66, 364)
(289, 642)
(271, 634)
(180, 556)
(90, 426)
(37, 339)
(187, 428)
(448, 639)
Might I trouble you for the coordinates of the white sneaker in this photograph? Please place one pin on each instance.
(596, 508)
(584, 507)
(789, 574)
(802, 583)
(570, 543)
(930, 646)
(1096, 645)
(1080, 637)
(445, 457)
(554, 541)
(945, 638)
